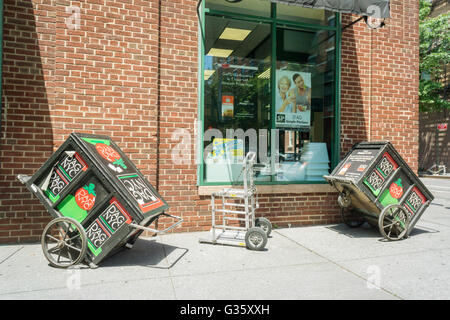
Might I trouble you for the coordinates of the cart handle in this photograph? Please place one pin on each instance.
(180, 220)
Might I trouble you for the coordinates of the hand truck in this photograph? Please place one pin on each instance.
(239, 205)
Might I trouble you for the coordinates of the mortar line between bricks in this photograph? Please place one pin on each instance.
(338, 265)
(11, 255)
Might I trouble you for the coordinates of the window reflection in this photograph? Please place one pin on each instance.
(286, 114)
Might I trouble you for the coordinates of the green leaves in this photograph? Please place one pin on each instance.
(90, 189)
(434, 66)
(120, 162)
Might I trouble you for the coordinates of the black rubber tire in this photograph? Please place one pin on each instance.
(393, 222)
(352, 217)
(255, 239)
(264, 224)
(71, 244)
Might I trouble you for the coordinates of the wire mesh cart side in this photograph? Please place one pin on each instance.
(376, 185)
(239, 205)
(99, 200)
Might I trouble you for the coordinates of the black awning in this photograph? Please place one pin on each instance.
(373, 8)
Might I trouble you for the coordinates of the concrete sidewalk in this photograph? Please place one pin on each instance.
(319, 262)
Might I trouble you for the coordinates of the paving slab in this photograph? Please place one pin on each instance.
(297, 282)
(74, 288)
(279, 251)
(413, 276)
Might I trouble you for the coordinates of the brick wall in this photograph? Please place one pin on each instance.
(380, 82)
(99, 74)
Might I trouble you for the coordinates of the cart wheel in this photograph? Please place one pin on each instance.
(255, 239)
(344, 200)
(393, 222)
(64, 242)
(351, 217)
(264, 224)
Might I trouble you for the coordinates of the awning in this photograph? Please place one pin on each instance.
(372, 8)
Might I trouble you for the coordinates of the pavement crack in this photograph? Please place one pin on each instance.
(11, 255)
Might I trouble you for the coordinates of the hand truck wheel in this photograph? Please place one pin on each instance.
(264, 224)
(64, 242)
(351, 217)
(255, 239)
(393, 222)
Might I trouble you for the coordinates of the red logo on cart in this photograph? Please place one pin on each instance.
(442, 127)
(396, 189)
(85, 197)
(107, 152)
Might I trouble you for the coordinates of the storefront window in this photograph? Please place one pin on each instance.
(268, 88)
(237, 95)
(304, 104)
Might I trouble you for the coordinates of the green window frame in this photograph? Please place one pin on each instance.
(274, 22)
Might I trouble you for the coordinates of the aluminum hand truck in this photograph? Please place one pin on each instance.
(239, 205)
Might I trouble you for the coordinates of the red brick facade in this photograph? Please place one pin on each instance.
(129, 69)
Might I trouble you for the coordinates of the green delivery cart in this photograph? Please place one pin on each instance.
(99, 200)
(376, 185)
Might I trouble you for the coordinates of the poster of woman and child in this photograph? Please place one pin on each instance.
(293, 99)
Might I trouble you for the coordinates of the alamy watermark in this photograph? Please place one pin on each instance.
(185, 148)
(374, 277)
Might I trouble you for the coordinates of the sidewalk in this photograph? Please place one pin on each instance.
(319, 262)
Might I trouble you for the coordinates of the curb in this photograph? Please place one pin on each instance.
(434, 176)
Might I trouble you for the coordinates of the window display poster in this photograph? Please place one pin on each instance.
(293, 99)
(225, 150)
(227, 106)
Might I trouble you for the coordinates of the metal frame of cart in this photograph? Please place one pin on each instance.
(254, 234)
(111, 219)
(380, 188)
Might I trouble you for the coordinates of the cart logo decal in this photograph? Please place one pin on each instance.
(64, 173)
(387, 165)
(97, 236)
(396, 189)
(374, 181)
(414, 201)
(115, 216)
(108, 222)
(85, 197)
(107, 152)
(383, 169)
(72, 166)
(143, 195)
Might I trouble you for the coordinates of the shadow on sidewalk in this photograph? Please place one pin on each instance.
(147, 253)
(367, 231)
